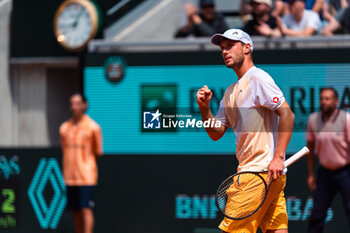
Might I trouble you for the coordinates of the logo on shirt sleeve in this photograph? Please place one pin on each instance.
(276, 100)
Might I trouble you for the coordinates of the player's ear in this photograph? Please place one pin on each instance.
(246, 48)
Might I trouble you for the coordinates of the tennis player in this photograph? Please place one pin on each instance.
(81, 142)
(255, 108)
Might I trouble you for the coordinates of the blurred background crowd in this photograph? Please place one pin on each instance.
(271, 18)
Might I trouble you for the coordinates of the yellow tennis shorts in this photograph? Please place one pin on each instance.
(272, 215)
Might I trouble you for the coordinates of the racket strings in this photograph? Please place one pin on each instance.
(242, 195)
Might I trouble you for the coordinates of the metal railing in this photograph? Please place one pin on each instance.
(203, 44)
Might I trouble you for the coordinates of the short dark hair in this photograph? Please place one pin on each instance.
(335, 93)
(81, 95)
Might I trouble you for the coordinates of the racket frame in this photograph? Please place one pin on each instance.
(257, 173)
(287, 163)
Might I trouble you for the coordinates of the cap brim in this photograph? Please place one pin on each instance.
(215, 39)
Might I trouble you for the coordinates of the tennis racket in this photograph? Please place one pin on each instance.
(243, 193)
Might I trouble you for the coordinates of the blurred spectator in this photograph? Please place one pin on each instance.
(281, 6)
(339, 23)
(328, 132)
(280, 9)
(299, 22)
(263, 23)
(315, 5)
(246, 10)
(205, 23)
(332, 7)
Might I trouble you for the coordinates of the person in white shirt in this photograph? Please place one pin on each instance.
(299, 22)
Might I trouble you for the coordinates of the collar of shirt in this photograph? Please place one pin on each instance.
(245, 74)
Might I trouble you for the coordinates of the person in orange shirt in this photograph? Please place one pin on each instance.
(81, 141)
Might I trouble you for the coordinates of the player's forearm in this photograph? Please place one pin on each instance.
(285, 130)
(215, 133)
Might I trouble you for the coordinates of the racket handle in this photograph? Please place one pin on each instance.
(296, 156)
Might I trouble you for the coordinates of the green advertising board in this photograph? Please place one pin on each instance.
(169, 82)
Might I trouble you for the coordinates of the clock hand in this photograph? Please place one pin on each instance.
(77, 18)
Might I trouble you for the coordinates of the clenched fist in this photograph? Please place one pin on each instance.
(203, 97)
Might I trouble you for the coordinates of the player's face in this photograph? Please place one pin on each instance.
(328, 102)
(77, 105)
(232, 53)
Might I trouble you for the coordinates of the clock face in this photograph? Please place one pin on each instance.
(75, 24)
